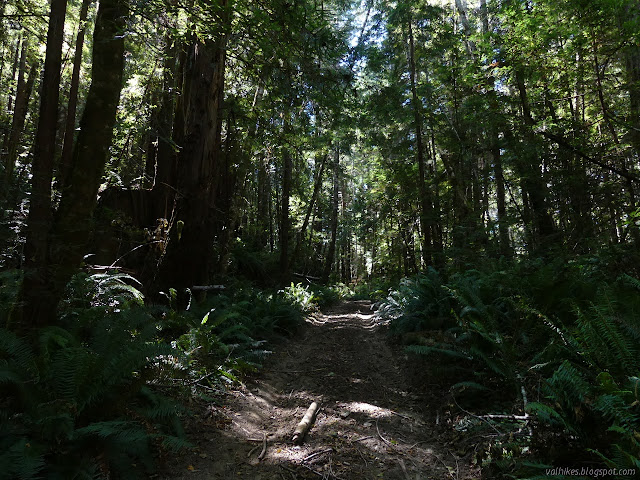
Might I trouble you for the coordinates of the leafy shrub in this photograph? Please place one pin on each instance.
(328, 295)
(300, 295)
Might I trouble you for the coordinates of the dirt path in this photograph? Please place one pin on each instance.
(369, 426)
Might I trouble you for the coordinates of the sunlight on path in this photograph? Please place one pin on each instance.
(368, 425)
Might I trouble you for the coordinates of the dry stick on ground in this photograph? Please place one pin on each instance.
(400, 415)
(264, 447)
(381, 437)
(313, 455)
(305, 424)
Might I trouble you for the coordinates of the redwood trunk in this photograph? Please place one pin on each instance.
(190, 248)
(35, 296)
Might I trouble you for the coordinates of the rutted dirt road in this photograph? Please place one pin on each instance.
(369, 425)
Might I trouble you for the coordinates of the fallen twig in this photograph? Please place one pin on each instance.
(313, 455)
(381, 437)
(401, 415)
(264, 447)
(362, 439)
(251, 451)
(507, 417)
(207, 288)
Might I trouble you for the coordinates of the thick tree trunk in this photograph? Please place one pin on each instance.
(189, 252)
(70, 122)
(73, 223)
(632, 64)
(37, 300)
(531, 175)
(165, 171)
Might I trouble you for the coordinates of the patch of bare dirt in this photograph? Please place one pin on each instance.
(369, 426)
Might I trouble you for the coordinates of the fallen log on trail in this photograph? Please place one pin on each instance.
(305, 424)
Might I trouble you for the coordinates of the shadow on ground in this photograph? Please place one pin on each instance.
(370, 425)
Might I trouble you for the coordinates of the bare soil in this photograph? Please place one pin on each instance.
(372, 423)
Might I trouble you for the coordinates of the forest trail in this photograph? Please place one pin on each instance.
(369, 425)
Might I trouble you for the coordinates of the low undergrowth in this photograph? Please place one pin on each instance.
(100, 394)
(542, 360)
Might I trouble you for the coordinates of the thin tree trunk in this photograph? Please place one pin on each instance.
(316, 189)
(263, 210)
(334, 217)
(285, 221)
(425, 200)
(504, 246)
(14, 69)
(23, 94)
(531, 175)
(70, 123)
(234, 213)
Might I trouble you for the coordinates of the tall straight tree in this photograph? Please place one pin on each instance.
(36, 251)
(425, 202)
(70, 123)
(24, 87)
(334, 215)
(70, 232)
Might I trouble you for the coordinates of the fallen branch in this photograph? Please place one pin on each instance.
(306, 277)
(506, 417)
(305, 424)
(207, 288)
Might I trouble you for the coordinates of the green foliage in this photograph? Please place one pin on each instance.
(77, 399)
(300, 295)
(419, 303)
(225, 336)
(568, 332)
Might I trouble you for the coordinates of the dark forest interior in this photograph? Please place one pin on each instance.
(185, 184)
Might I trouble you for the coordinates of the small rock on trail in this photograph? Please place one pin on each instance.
(368, 426)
